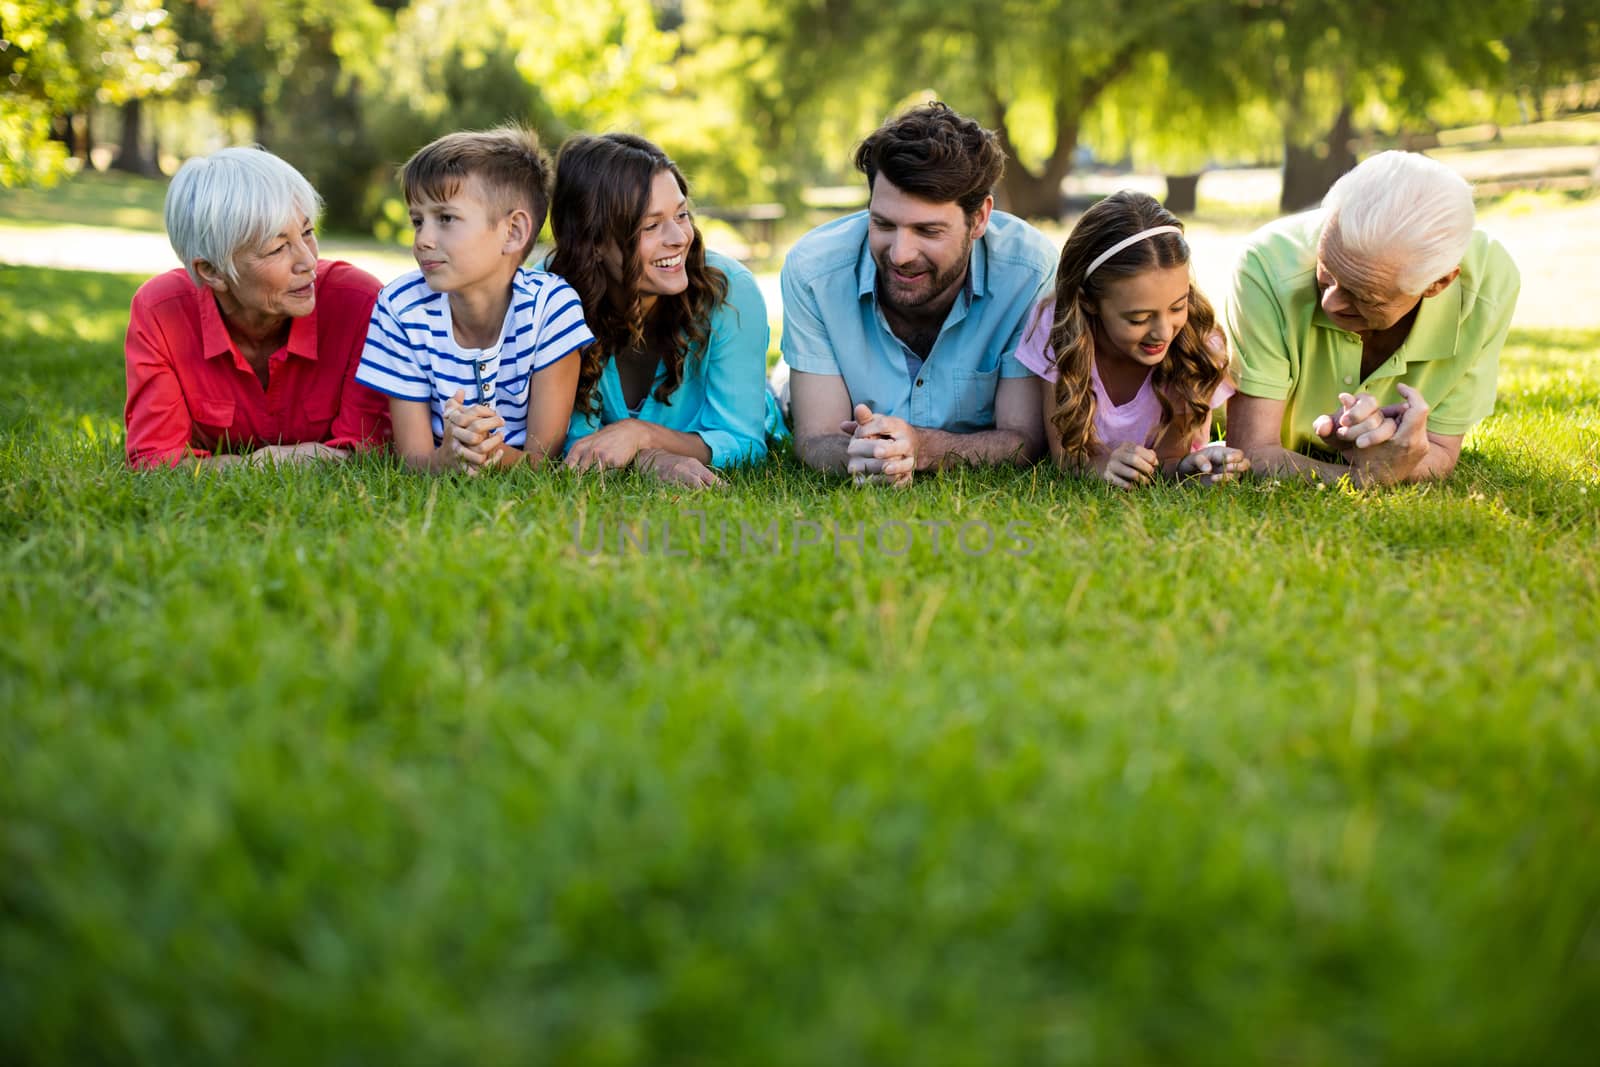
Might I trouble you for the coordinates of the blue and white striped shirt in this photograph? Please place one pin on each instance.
(411, 351)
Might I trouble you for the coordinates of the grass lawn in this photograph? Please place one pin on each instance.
(347, 766)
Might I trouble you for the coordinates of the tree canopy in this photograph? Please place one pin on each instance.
(764, 98)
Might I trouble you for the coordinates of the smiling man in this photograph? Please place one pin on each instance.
(901, 322)
(1367, 334)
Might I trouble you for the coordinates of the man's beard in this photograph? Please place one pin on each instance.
(900, 300)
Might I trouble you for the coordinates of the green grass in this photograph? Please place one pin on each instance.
(346, 766)
(121, 201)
(111, 200)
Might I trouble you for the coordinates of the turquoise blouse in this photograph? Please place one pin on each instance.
(723, 396)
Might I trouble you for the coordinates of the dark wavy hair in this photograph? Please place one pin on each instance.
(936, 154)
(602, 194)
(1184, 381)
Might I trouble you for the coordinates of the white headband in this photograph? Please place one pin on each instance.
(1153, 231)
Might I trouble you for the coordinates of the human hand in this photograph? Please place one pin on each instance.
(1129, 465)
(1213, 464)
(1392, 459)
(1217, 342)
(305, 452)
(469, 434)
(608, 448)
(1359, 423)
(675, 469)
(882, 450)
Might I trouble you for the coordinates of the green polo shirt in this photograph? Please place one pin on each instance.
(1286, 348)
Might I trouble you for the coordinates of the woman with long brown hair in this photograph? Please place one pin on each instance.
(1130, 358)
(675, 383)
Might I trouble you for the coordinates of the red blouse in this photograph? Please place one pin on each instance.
(190, 392)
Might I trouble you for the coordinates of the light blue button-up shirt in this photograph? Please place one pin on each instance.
(832, 323)
(723, 396)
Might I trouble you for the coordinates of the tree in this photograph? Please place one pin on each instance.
(1031, 71)
(1321, 63)
(60, 57)
(299, 69)
(1558, 46)
(471, 64)
(1152, 117)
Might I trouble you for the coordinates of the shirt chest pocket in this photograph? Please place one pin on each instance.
(974, 399)
(511, 392)
(318, 412)
(213, 420)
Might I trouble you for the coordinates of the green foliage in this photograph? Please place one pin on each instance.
(301, 69)
(556, 67)
(1314, 57)
(1558, 45)
(346, 766)
(27, 154)
(61, 56)
(1150, 118)
(1033, 70)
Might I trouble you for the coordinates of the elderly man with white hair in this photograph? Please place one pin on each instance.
(1367, 334)
(249, 349)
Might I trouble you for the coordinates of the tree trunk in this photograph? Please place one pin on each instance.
(1032, 196)
(260, 118)
(80, 135)
(1310, 170)
(1036, 195)
(1182, 193)
(130, 152)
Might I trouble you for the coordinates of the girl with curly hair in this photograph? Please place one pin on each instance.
(1131, 361)
(675, 383)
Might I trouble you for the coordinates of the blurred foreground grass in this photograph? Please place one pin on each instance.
(345, 766)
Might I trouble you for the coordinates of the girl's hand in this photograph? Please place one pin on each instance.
(1217, 341)
(1130, 465)
(608, 448)
(1213, 464)
(678, 470)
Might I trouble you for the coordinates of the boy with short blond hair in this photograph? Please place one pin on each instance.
(471, 347)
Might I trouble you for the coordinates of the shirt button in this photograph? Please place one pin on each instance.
(919, 383)
(1348, 380)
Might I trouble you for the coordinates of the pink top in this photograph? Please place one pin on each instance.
(1134, 421)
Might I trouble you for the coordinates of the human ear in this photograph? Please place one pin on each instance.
(1442, 284)
(210, 276)
(980, 218)
(518, 226)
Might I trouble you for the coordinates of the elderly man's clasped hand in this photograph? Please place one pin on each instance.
(1382, 442)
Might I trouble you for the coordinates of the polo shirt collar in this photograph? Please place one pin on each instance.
(866, 272)
(303, 337)
(978, 269)
(1439, 319)
(214, 332)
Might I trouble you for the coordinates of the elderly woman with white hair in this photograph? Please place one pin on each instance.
(1367, 334)
(249, 350)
